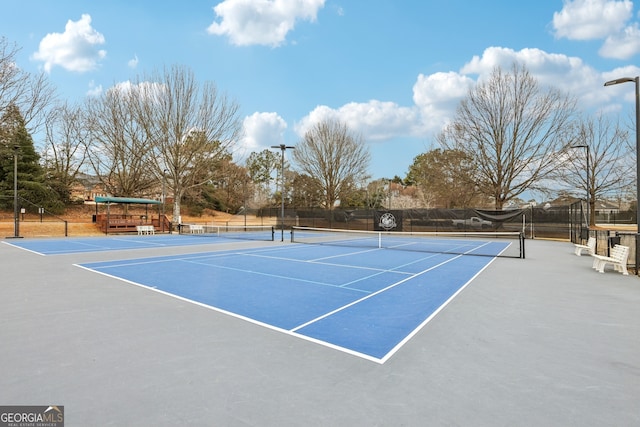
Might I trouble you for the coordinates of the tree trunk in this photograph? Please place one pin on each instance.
(177, 197)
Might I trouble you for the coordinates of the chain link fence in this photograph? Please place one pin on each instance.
(534, 222)
(542, 222)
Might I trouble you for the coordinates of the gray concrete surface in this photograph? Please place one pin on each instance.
(544, 341)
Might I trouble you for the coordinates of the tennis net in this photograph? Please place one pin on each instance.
(245, 232)
(493, 244)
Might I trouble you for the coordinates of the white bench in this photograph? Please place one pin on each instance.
(196, 229)
(617, 258)
(590, 247)
(145, 229)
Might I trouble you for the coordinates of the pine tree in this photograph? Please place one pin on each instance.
(33, 190)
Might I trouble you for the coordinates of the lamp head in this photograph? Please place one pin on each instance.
(620, 80)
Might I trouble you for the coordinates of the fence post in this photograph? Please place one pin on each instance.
(637, 253)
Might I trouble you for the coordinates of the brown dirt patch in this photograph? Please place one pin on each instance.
(80, 221)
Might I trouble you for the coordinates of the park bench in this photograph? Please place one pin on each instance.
(196, 229)
(590, 247)
(617, 258)
(145, 229)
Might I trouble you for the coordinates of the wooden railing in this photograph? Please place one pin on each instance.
(128, 223)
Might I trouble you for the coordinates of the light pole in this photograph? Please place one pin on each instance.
(635, 80)
(283, 148)
(244, 200)
(164, 197)
(16, 218)
(588, 183)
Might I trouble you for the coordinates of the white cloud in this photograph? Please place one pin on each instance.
(261, 22)
(622, 45)
(261, 130)
(94, 90)
(375, 120)
(133, 62)
(567, 73)
(600, 19)
(436, 96)
(591, 19)
(537, 61)
(77, 49)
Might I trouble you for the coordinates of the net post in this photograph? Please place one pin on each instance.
(522, 254)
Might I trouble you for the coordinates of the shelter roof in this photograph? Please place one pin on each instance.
(127, 200)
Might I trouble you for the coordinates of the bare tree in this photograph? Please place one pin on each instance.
(610, 161)
(334, 158)
(191, 127)
(511, 127)
(119, 149)
(31, 94)
(66, 138)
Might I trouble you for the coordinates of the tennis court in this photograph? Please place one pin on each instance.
(268, 333)
(343, 290)
(116, 242)
(363, 301)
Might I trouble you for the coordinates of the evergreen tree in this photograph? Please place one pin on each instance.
(33, 190)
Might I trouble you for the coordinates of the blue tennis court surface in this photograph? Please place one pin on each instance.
(110, 243)
(367, 302)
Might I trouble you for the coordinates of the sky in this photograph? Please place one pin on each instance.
(394, 71)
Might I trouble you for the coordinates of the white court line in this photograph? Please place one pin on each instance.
(378, 271)
(355, 267)
(393, 285)
(259, 273)
(238, 316)
(428, 319)
(181, 257)
(24, 249)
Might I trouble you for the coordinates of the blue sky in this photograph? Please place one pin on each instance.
(393, 70)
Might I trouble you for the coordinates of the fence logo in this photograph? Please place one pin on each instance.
(387, 221)
(32, 416)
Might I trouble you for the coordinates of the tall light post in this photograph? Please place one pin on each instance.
(16, 218)
(635, 80)
(164, 197)
(244, 199)
(588, 183)
(282, 148)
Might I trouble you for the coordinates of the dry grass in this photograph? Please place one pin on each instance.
(79, 221)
